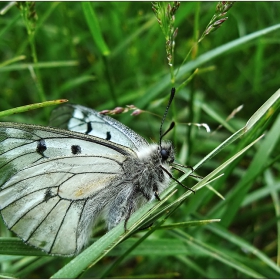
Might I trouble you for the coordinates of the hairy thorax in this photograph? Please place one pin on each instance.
(145, 172)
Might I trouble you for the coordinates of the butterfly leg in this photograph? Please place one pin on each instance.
(127, 216)
(157, 196)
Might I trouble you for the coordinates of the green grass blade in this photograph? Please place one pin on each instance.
(244, 245)
(215, 253)
(189, 224)
(272, 186)
(271, 106)
(30, 107)
(15, 246)
(95, 28)
(234, 200)
(191, 263)
(39, 65)
(14, 59)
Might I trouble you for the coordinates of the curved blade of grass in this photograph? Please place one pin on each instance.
(206, 179)
(31, 107)
(260, 194)
(4, 10)
(235, 198)
(14, 59)
(209, 187)
(95, 28)
(273, 104)
(185, 170)
(244, 245)
(164, 83)
(214, 253)
(103, 245)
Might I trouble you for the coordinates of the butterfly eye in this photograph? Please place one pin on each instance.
(164, 154)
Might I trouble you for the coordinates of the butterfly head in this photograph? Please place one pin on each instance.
(157, 154)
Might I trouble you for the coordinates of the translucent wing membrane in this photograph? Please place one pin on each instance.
(88, 121)
(48, 208)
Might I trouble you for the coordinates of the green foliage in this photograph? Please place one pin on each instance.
(108, 54)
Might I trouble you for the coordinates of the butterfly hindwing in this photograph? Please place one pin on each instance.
(55, 183)
(82, 119)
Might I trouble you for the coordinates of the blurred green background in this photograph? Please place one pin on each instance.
(70, 65)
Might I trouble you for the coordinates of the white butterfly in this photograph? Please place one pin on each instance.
(55, 184)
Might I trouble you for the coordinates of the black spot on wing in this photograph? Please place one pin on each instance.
(108, 135)
(76, 149)
(49, 194)
(89, 128)
(41, 147)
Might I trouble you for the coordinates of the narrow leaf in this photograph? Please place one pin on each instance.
(31, 107)
(95, 28)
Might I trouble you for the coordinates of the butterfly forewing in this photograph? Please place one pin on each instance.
(82, 119)
(22, 145)
(52, 182)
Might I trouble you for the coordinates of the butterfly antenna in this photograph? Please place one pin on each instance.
(172, 94)
(170, 128)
